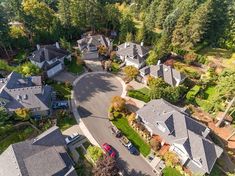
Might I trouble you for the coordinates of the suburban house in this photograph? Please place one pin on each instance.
(17, 91)
(44, 155)
(90, 45)
(50, 58)
(188, 138)
(167, 73)
(133, 54)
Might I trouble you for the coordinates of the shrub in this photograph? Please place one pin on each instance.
(118, 103)
(171, 159)
(131, 72)
(131, 117)
(192, 93)
(94, 152)
(155, 144)
(22, 114)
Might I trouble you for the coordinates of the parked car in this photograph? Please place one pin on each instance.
(129, 145)
(60, 105)
(72, 138)
(109, 150)
(115, 131)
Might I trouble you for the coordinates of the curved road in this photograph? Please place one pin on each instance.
(94, 92)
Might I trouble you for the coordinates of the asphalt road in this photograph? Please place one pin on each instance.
(94, 93)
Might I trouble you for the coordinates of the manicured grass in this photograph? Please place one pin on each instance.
(132, 135)
(15, 135)
(63, 91)
(169, 171)
(74, 67)
(140, 94)
(66, 122)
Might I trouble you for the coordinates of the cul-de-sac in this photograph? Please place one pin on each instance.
(117, 88)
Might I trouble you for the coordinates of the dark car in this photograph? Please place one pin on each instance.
(115, 131)
(60, 105)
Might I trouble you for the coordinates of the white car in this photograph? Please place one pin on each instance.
(72, 138)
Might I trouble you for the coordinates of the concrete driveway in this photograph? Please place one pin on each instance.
(64, 76)
(94, 93)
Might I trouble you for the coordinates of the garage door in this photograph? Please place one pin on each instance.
(54, 70)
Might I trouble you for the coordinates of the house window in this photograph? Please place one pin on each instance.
(160, 127)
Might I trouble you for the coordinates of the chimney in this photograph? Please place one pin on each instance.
(158, 62)
(38, 46)
(125, 46)
(206, 132)
(57, 45)
(142, 44)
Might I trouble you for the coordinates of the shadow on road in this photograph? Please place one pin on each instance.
(123, 166)
(83, 112)
(95, 83)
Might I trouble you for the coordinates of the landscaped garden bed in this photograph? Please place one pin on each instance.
(140, 94)
(123, 125)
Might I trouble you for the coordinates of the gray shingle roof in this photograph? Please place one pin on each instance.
(47, 53)
(94, 40)
(167, 73)
(181, 129)
(27, 92)
(132, 49)
(47, 156)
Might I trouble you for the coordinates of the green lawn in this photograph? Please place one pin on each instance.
(169, 171)
(74, 67)
(140, 94)
(14, 135)
(132, 135)
(64, 92)
(66, 122)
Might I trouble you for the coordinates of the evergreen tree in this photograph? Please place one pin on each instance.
(199, 23)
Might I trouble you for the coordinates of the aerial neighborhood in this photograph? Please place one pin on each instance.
(108, 88)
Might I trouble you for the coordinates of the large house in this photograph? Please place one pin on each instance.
(89, 45)
(44, 155)
(17, 92)
(133, 54)
(167, 73)
(188, 138)
(50, 58)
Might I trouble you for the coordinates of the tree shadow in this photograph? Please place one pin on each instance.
(83, 112)
(123, 166)
(95, 83)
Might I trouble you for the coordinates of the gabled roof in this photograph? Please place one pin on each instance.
(180, 128)
(24, 92)
(47, 53)
(94, 40)
(30, 158)
(167, 73)
(132, 49)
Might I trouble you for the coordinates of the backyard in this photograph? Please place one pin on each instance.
(132, 135)
(10, 135)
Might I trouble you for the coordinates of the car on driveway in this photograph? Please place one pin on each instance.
(72, 138)
(109, 150)
(115, 131)
(129, 145)
(60, 105)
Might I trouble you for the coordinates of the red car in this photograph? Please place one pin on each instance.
(109, 150)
